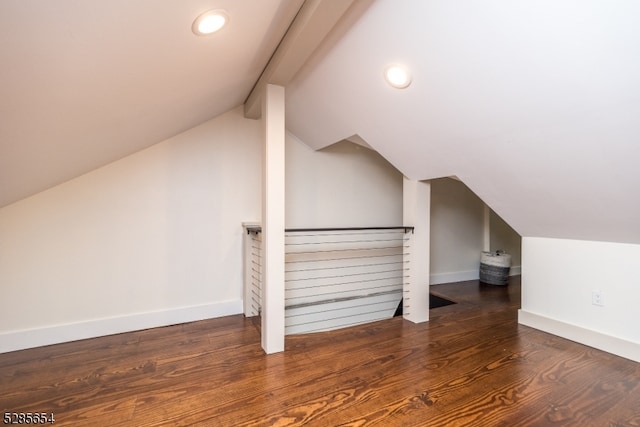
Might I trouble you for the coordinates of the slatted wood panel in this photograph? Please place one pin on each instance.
(340, 278)
(471, 364)
(255, 273)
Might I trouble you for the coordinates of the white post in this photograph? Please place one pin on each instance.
(486, 229)
(416, 212)
(273, 206)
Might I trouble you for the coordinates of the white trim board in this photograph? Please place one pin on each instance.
(610, 344)
(456, 276)
(20, 340)
(463, 276)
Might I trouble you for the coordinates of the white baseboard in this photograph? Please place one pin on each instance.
(457, 276)
(610, 344)
(29, 338)
(463, 276)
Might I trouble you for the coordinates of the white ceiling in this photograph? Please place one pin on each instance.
(86, 82)
(535, 105)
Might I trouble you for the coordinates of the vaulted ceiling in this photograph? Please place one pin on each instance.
(535, 105)
(84, 83)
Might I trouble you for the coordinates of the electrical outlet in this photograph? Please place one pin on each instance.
(597, 298)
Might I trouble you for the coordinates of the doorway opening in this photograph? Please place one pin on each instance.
(462, 228)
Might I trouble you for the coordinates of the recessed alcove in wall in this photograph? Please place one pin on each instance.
(459, 230)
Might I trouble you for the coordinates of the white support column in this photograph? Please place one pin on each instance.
(273, 206)
(416, 212)
(486, 240)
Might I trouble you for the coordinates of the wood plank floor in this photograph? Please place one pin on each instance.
(471, 364)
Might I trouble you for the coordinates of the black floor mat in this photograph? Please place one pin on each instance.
(434, 302)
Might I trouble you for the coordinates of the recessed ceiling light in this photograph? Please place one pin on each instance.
(209, 22)
(397, 76)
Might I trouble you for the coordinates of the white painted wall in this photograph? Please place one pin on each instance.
(343, 185)
(149, 240)
(558, 277)
(503, 237)
(456, 231)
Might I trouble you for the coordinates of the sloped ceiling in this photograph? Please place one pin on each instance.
(86, 82)
(535, 105)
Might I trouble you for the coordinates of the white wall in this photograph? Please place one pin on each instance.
(558, 277)
(343, 185)
(149, 240)
(503, 237)
(456, 231)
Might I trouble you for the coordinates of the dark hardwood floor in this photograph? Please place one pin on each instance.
(471, 364)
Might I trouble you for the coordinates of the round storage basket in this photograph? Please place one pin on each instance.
(494, 268)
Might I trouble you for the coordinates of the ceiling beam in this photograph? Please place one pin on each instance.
(312, 24)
